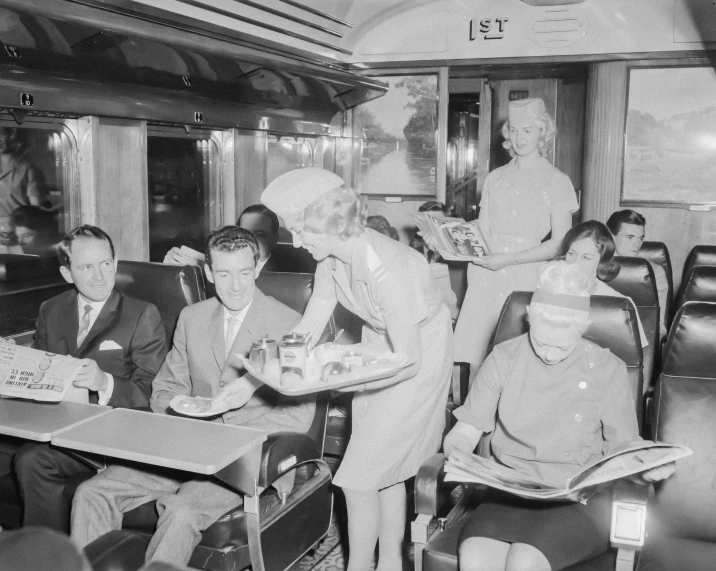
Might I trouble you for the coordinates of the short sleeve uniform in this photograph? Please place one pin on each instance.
(515, 215)
(548, 421)
(395, 429)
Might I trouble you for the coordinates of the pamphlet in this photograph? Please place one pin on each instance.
(454, 239)
(37, 375)
(626, 460)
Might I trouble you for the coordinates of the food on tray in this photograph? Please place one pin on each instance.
(352, 360)
(331, 369)
(291, 380)
(329, 352)
(194, 405)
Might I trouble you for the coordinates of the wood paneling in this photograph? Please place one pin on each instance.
(569, 145)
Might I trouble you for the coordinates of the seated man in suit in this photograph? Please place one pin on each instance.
(628, 228)
(207, 332)
(122, 344)
(263, 224)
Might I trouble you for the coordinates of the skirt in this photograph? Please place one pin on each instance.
(565, 532)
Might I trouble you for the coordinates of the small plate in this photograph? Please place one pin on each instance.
(178, 404)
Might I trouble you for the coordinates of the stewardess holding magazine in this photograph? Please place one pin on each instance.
(554, 402)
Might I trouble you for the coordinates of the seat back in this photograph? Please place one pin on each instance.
(658, 253)
(636, 280)
(700, 255)
(291, 289)
(170, 288)
(613, 327)
(685, 413)
(699, 285)
(298, 260)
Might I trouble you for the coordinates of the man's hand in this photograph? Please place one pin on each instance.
(174, 257)
(91, 377)
(4, 341)
(234, 395)
(654, 475)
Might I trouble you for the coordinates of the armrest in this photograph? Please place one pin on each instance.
(460, 382)
(283, 451)
(118, 549)
(628, 515)
(431, 490)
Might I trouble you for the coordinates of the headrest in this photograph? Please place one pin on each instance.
(613, 326)
(700, 255)
(170, 288)
(657, 253)
(690, 346)
(291, 289)
(636, 280)
(699, 285)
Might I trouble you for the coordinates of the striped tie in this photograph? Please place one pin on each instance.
(231, 330)
(84, 325)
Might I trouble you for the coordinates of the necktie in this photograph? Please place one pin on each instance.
(84, 325)
(231, 330)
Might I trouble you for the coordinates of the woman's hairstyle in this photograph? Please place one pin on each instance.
(64, 249)
(380, 224)
(340, 212)
(608, 269)
(559, 277)
(433, 206)
(548, 131)
(230, 239)
(624, 217)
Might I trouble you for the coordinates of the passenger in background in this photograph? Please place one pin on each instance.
(263, 224)
(207, 332)
(20, 183)
(397, 422)
(522, 202)
(8, 238)
(589, 244)
(628, 229)
(525, 394)
(380, 224)
(438, 267)
(36, 231)
(122, 344)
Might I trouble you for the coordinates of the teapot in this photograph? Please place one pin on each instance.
(263, 351)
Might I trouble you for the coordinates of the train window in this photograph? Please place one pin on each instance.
(184, 179)
(37, 176)
(285, 153)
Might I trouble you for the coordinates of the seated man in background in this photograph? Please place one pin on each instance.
(122, 344)
(263, 224)
(628, 228)
(207, 332)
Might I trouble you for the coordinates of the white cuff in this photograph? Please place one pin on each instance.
(106, 394)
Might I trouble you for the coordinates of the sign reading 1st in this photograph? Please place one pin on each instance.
(489, 28)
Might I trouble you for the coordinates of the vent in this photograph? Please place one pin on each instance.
(557, 28)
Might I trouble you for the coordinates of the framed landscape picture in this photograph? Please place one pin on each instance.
(398, 138)
(670, 141)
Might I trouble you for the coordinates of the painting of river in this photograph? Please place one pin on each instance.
(670, 151)
(398, 131)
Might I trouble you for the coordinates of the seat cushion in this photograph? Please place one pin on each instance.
(675, 554)
(10, 502)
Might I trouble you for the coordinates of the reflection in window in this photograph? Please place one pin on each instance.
(182, 172)
(288, 153)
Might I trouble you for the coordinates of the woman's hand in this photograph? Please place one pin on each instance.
(494, 262)
(654, 475)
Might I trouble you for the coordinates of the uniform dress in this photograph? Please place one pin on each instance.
(548, 422)
(515, 212)
(396, 428)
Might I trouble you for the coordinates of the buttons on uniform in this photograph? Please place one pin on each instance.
(578, 417)
(591, 365)
(221, 383)
(582, 385)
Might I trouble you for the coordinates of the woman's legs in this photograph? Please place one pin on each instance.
(483, 554)
(373, 514)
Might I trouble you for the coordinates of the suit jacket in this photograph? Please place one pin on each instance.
(194, 365)
(134, 325)
(286, 258)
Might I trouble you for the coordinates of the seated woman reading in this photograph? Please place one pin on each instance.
(554, 402)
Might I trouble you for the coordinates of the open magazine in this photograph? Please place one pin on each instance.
(38, 375)
(624, 461)
(455, 239)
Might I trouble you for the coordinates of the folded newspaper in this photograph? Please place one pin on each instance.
(37, 375)
(455, 239)
(624, 461)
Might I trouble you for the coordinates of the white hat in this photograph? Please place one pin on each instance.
(290, 194)
(525, 110)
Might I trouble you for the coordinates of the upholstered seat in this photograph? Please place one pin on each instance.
(658, 253)
(699, 285)
(700, 255)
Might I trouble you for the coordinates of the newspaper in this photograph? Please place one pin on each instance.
(37, 375)
(455, 239)
(624, 461)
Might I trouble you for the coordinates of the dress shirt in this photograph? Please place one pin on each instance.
(105, 395)
(239, 319)
(261, 263)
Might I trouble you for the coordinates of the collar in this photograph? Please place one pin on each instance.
(261, 263)
(96, 305)
(241, 315)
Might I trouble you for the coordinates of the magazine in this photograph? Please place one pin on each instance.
(626, 460)
(455, 239)
(38, 375)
